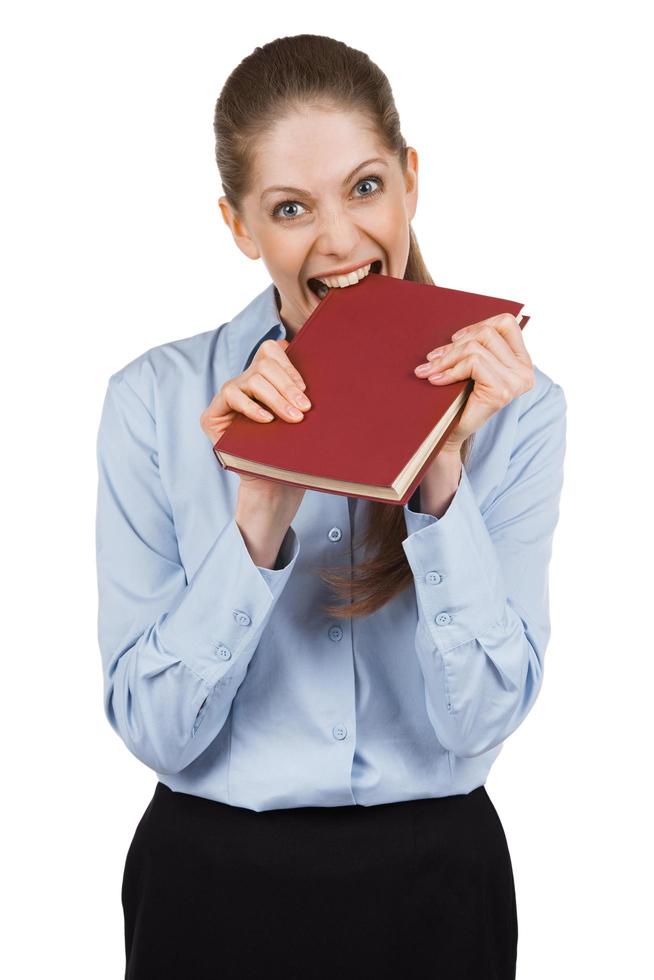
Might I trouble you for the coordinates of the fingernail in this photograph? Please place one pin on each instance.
(435, 377)
(434, 354)
(459, 333)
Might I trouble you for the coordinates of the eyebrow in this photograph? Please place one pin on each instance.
(302, 193)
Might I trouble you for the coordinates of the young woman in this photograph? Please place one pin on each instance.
(320, 807)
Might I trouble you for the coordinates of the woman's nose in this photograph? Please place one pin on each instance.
(338, 233)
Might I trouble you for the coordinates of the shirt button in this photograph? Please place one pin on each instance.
(433, 577)
(335, 633)
(224, 652)
(443, 619)
(339, 731)
(335, 534)
(242, 617)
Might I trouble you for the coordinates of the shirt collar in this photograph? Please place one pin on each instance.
(259, 321)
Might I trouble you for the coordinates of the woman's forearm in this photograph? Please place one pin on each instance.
(263, 528)
(440, 483)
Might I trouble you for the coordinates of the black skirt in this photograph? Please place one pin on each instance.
(419, 888)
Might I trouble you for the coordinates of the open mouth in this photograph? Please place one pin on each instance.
(320, 289)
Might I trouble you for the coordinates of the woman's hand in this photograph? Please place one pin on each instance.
(492, 353)
(272, 379)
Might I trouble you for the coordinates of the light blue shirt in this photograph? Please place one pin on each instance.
(228, 681)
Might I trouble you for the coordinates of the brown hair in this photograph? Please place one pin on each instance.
(286, 74)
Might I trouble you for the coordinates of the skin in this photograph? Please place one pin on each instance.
(315, 150)
(332, 227)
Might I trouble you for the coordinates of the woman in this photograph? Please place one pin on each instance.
(320, 803)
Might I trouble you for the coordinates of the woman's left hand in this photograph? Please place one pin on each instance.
(492, 353)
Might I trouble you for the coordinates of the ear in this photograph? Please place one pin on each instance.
(238, 228)
(411, 179)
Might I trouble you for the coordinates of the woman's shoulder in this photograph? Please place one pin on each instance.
(545, 393)
(544, 398)
(167, 366)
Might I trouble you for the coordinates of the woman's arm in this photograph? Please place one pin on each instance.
(445, 475)
(481, 585)
(174, 652)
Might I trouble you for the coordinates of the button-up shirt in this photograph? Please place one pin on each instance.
(227, 679)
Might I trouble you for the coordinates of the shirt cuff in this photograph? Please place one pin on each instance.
(226, 605)
(457, 573)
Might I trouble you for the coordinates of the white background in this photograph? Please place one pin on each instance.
(531, 122)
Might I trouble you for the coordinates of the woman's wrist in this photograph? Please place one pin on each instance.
(263, 525)
(441, 482)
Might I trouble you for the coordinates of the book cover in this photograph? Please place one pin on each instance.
(374, 426)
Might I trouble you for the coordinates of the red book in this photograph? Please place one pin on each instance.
(374, 426)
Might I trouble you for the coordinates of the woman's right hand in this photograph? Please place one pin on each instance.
(272, 379)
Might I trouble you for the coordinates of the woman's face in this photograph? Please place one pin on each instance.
(331, 214)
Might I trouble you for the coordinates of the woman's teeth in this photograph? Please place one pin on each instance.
(340, 282)
(347, 280)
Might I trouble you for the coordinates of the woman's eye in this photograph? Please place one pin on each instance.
(286, 204)
(367, 180)
(286, 218)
